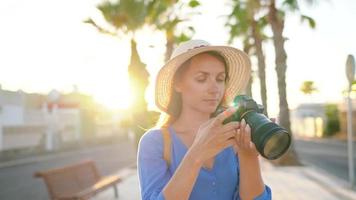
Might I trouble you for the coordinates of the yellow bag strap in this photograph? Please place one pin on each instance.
(166, 145)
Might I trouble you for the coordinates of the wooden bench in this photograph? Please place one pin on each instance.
(78, 181)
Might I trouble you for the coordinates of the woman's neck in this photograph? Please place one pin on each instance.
(190, 120)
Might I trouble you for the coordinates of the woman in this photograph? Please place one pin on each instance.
(209, 160)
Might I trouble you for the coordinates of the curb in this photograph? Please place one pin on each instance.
(330, 183)
(322, 140)
(335, 185)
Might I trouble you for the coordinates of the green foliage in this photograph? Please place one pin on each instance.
(308, 87)
(332, 120)
(182, 38)
(169, 16)
(194, 3)
(291, 5)
(310, 21)
(244, 17)
(126, 15)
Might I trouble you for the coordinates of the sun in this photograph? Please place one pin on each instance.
(114, 94)
(114, 101)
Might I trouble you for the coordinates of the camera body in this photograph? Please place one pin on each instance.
(270, 139)
(244, 105)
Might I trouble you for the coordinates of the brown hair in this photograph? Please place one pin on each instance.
(175, 104)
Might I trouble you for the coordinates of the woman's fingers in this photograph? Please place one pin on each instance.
(231, 126)
(229, 142)
(238, 137)
(222, 116)
(247, 138)
(242, 132)
(243, 135)
(228, 135)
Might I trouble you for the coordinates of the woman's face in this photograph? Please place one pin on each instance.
(202, 85)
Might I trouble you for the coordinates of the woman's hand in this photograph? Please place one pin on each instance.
(213, 136)
(244, 145)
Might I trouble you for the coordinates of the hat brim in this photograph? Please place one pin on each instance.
(238, 63)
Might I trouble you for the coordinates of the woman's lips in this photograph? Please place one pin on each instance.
(211, 100)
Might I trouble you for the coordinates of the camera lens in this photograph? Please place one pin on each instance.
(276, 145)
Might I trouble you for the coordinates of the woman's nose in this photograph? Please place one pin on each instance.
(213, 86)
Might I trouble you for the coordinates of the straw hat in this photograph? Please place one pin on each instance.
(238, 64)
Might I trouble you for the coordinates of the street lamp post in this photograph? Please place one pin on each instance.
(350, 74)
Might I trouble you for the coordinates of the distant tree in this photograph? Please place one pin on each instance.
(332, 120)
(276, 18)
(169, 17)
(308, 88)
(246, 22)
(126, 17)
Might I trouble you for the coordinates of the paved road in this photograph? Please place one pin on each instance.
(326, 154)
(17, 182)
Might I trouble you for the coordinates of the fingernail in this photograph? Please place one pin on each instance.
(243, 121)
(238, 125)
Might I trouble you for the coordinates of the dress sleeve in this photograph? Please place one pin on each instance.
(266, 195)
(153, 171)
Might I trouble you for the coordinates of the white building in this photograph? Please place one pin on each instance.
(26, 119)
(308, 120)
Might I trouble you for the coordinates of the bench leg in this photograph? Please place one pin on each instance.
(116, 192)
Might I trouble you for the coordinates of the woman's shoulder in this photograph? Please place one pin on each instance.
(152, 135)
(151, 138)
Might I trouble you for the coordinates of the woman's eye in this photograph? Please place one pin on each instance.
(221, 79)
(201, 79)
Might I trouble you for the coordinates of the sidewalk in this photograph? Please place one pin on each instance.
(287, 183)
(128, 189)
(305, 182)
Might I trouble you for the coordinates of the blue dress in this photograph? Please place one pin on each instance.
(220, 182)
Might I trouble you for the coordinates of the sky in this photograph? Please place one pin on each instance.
(44, 45)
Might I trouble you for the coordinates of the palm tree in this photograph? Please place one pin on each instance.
(243, 21)
(127, 17)
(308, 88)
(276, 18)
(167, 15)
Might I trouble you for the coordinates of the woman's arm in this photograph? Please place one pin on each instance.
(251, 185)
(212, 137)
(156, 182)
(181, 184)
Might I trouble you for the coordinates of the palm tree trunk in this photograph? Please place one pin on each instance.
(246, 49)
(138, 76)
(277, 24)
(261, 64)
(169, 44)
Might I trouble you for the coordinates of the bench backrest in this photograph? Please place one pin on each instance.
(70, 179)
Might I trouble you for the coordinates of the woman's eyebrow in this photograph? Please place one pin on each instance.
(207, 73)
